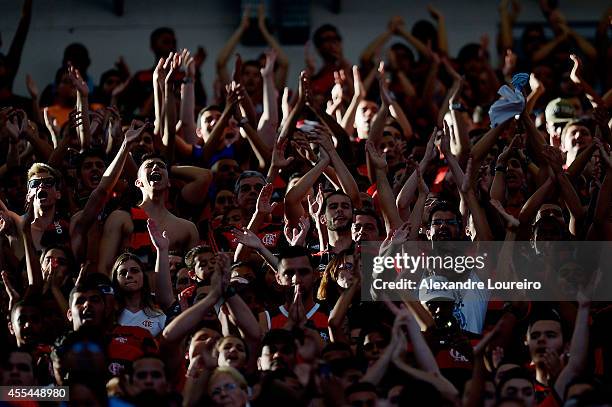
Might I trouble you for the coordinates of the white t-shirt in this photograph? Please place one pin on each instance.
(154, 324)
(471, 307)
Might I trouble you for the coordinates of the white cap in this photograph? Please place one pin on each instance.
(427, 293)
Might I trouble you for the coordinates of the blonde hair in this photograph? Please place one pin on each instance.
(230, 371)
(42, 168)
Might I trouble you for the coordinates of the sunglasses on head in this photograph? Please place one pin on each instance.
(36, 182)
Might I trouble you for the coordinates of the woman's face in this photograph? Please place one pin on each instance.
(232, 353)
(344, 274)
(234, 218)
(130, 276)
(515, 177)
(223, 201)
(225, 391)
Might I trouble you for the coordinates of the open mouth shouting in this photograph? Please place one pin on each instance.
(42, 195)
(155, 177)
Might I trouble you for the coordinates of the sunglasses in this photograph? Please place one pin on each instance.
(449, 222)
(48, 182)
(368, 347)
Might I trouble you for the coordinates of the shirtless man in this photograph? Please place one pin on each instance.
(128, 229)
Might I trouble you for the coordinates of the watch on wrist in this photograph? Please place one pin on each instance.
(458, 107)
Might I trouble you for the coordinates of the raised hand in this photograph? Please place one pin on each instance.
(132, 135)
(315, 205)
(445, 137)
(297, 236)
(77, 81)
(466, 185)
(421, 184)
(309, 59)
(304, 87)
(263, 200)
(268, 69)
(321, 135)
(188, 64)
(10, 291)
(435, 13)
(395, 24)
(576, 74)
(337, 91)
(236, 73)
(430, 149)
(278, 154)
(376, 158)
(554, 158)
(247, 238)
(158, 238)
(535, 84)
(360, 91)
(171, 66)
(385, 96)
(246, 17)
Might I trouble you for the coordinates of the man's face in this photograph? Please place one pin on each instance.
(331, 46)
(202, 340)
(362, 399)
(521, 389)
(297, 273)
(374, 345)
(364, 228)
(363, 118)
(44, 189)
(444, 226)
(149, 375)
(204, 265)
(55, 262)
(182, 280)
(164, 45)
(225, 173)
(27, 325)
(576, 138)
(87, 309)
(223, 201)
(544, 337)
(207, 123)
(153, 175)
(248, 191)
(277, 356)
(515, 177)
(91, 172)
(232, 353)
(338, 213)
(18, 370)
(547, 230)
(251, 79)
(389, 145)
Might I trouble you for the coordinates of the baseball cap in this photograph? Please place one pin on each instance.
(549, 211)
(559, 110)
(428, 293)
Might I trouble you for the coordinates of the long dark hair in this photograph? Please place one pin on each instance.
(146, 299)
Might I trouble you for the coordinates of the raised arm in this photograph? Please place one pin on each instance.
(163, 283)
(82, 106)
(211, 145)
(281, 58)
(198, 180)
(227, 50)
(188, 124)
(385, 194)
(13, 57)
(348, 120)
(442, 37)
(169, 109)
(98, 198)
(35, 278)
(268, 122)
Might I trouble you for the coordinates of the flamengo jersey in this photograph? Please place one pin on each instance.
(154, 324)
(317, 320)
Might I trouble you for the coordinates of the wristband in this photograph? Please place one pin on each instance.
(500, 168)
(458, 107)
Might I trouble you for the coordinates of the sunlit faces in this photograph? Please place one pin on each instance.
(55, 261)
(364, 228)
(296, 272)
(373, 345)
(338, 213)
(363, 119)
(248, 191)
(232, 352)
(92, 169)
(225, 390)
(444, 226)
(576, 137)
(543, 337)
(276, 356)
(44, 188)
(203, 266)
(87, 309)
(130, 276)
(153, 175)
(202, 340)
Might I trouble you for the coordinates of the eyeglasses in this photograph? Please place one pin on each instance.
(48, 182)
(226, 387)
(448, 222)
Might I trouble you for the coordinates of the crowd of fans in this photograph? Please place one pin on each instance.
(162, 246)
